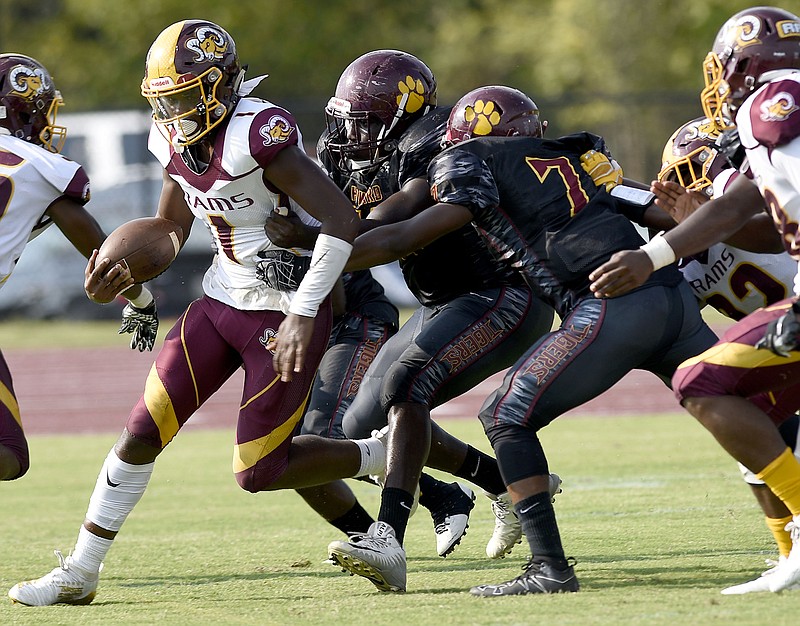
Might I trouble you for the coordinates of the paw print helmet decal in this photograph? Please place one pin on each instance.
(29, 102)
(495, 110)
(191, 80)
(691, 157)
(378, 96)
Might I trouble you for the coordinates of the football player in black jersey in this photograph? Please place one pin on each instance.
(543, 213)
(476, 319)
(383, 131)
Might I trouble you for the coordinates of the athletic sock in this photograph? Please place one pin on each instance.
(355, 521)
(373, 456)
(782, 476)
(777, 527)
(396, 509)
(430, 490)
(119, 487)
(90, 551)
(482, 470)
(538, 519)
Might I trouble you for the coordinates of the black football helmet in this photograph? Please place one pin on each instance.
(378, 96)
(691, 157)
(749, 44)
(495, 110)
(191, 80)
(29, 102)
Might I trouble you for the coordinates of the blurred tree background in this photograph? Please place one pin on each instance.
(627, 69)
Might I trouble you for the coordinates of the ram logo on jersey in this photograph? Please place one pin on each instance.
(276, 130)
(778, 108)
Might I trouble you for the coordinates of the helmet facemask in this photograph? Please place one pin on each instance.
(716, 93)
(691, 171)
(360, 140)
(692, 158)
(378, 97)
(187, 112)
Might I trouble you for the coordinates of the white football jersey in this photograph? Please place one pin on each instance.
(734, 281)
(31, 179)
(769, 128)
(232, 200)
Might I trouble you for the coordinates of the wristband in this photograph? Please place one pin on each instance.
(143, 300)
(659, 252)
(327, 262)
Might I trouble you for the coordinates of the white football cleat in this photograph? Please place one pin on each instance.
(786, 574)
(377, 556)
(507, 528)
(451, 517)
(760, 584)
(66, 584)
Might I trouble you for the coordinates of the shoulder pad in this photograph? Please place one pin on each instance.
(261, 126)
(430, 127)
(774, 113)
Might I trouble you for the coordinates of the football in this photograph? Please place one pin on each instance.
(147, 246)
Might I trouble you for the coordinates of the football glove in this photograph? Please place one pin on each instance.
(783, 334)
(604, 171)
(143, 323)
(281, 269)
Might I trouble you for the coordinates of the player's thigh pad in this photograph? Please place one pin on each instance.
(356, 341)
(459, 344)
(735, 367)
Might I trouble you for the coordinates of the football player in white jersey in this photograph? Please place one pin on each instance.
(38, 188)
(748, 384)
(735, 282)
(229, 161)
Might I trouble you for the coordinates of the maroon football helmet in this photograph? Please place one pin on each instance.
(494, 110)
(191, 80)
(750, 43)
(29, 102)
(691, 157)
(378, 96)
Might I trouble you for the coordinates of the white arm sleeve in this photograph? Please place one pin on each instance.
(327, 262)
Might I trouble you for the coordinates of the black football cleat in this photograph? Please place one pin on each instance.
(539, 577)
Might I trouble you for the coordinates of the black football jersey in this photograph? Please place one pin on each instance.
(453, 265)
(539, 210)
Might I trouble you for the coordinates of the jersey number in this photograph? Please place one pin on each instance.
(562, 167)
(6, 193)
(744, 279)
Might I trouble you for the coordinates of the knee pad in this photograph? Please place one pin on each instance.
(519, 452)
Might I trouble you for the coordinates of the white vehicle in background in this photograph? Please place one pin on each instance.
(126, 182)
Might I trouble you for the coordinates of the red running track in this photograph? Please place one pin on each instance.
(93, 390)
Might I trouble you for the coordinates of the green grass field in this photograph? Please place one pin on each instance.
(652, 509)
